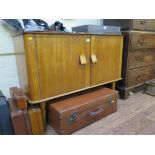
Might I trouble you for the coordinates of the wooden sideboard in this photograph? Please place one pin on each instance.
(55, 64)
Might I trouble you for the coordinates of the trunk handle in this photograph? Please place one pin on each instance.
(98, 111)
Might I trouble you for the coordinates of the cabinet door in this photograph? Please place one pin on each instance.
(106, 59)
(59, 66)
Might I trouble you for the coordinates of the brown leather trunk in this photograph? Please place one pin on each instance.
(72, 114)
(20, 120)
(36, 120)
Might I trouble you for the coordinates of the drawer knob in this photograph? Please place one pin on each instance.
(139, 77)
(141, 42)
(142, 22)
(139, 58)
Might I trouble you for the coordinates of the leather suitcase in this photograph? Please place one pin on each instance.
(72, 114)
(36, 120)
(20, 119)
(132, 24)
(6, 127)
(19, 97)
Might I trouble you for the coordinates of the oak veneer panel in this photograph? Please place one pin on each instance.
(59, 67)
(32, 67)
(108, 51)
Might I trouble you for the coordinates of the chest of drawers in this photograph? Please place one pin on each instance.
(138, 61)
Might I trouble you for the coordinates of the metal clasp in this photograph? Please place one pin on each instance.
(72, 118)
(111, 101)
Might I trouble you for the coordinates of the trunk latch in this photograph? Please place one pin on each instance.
(72, 118)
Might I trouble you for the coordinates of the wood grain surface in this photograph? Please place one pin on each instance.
(108, 51)
(59, 65)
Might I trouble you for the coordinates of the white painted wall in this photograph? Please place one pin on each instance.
(69, 23)
(8, 69)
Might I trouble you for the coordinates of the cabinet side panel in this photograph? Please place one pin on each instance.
(21, 62)
(32, 67)
(121, 55)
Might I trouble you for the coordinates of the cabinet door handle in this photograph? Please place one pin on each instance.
(83, 60)
(139, 58)
(93, 59)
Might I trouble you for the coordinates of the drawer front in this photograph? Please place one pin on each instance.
(141, 75)
(142, 40)
(144, 24)
(141, 58)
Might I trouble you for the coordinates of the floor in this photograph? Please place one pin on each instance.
(135, 116)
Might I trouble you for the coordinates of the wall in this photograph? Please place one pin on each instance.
(68, 23)
(8, 69)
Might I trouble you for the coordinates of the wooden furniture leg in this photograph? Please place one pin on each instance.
(113, 85)
(43, 111)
